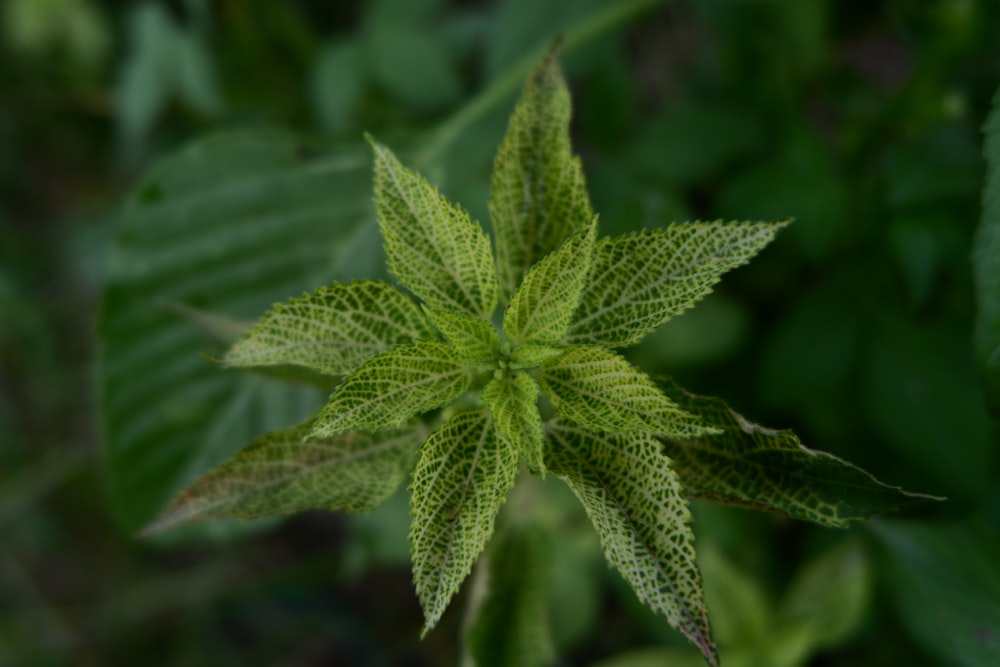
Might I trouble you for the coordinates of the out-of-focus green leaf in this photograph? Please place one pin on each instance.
(946, 586)
(412, 65)
(74, 26)
(925, 401)
(337, 84)
(693, 141)
(512, 627)
(757, 467)
(229, 225)
(986, 261)
(653, 657)
(737, 604)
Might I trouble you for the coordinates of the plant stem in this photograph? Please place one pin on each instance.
(507, 83)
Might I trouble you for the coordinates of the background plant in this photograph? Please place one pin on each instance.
(854, 331)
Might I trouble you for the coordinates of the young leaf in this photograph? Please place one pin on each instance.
(284, 472)
(473, 338)
(461, 480)
(542, 307)
(538, 197)
(394, 386)
(598, 389)
(531, 356)
(333, 330)
(639, 281)
(757, 467)
(634, 499)
(512, 400)
(433, 247)
(512, 628)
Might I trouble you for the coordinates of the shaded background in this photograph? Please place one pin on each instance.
(860, 119)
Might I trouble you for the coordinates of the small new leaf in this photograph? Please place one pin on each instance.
(634, 500)
(284, 472)
(393, 387)
(531, 356)
(333, 330)
(433, 247)
(473, 338)
(462, 478)
(599, 390)
(752, 466)
(542, 308)
(538, 196)
(639, 281)
(512, 400)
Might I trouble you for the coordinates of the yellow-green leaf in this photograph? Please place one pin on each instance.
(538, 196)
(598, 389)
(333, 330)
(639, 281)
(461, 480)
(513, 401)
(393, 387)
(530, 356)
(473, 338)
(432, 245)
(542, 308)
(634, 500)
(749, 465)
(284, 472)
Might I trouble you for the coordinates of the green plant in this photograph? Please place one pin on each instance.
(539, 381)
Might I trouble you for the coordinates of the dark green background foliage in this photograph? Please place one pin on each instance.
(862, 120)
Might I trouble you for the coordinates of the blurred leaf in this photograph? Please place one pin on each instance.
(412, 65)
(163, 60)
(229, 225)
(511, 629)
(946, 586)
(693, 141)
(654, 657)
(74, 26)
(828, 597)
(760, 468)
(336, 84)
(986, 261)
(924, 400)
(740, 610)
(703, 335)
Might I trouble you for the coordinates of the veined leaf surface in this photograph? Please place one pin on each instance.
(542, 308)
(472, 337)
(752, 466)
(538, 196)
(634, 499)
(229, 225)
(462, 478)
(285, 472)
(639, 281)
(333, 330)
(433, 247)
(393, 387)
(513, 403)
(599, 390)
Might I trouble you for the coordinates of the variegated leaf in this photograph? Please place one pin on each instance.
(473, 338)
(513, 401)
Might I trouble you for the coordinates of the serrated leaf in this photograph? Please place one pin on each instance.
(230, 224)
(530, 356)
(284, 472)
(639, 281)
(542, 308)
(333, 330)
(512, 400)
(393, 387)
(433, 247)
(462, 478)
(512, 627)
(986, 260)
(538, 196)
(634, 498)
(472, 337)
(598, 389)
(752, 466)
